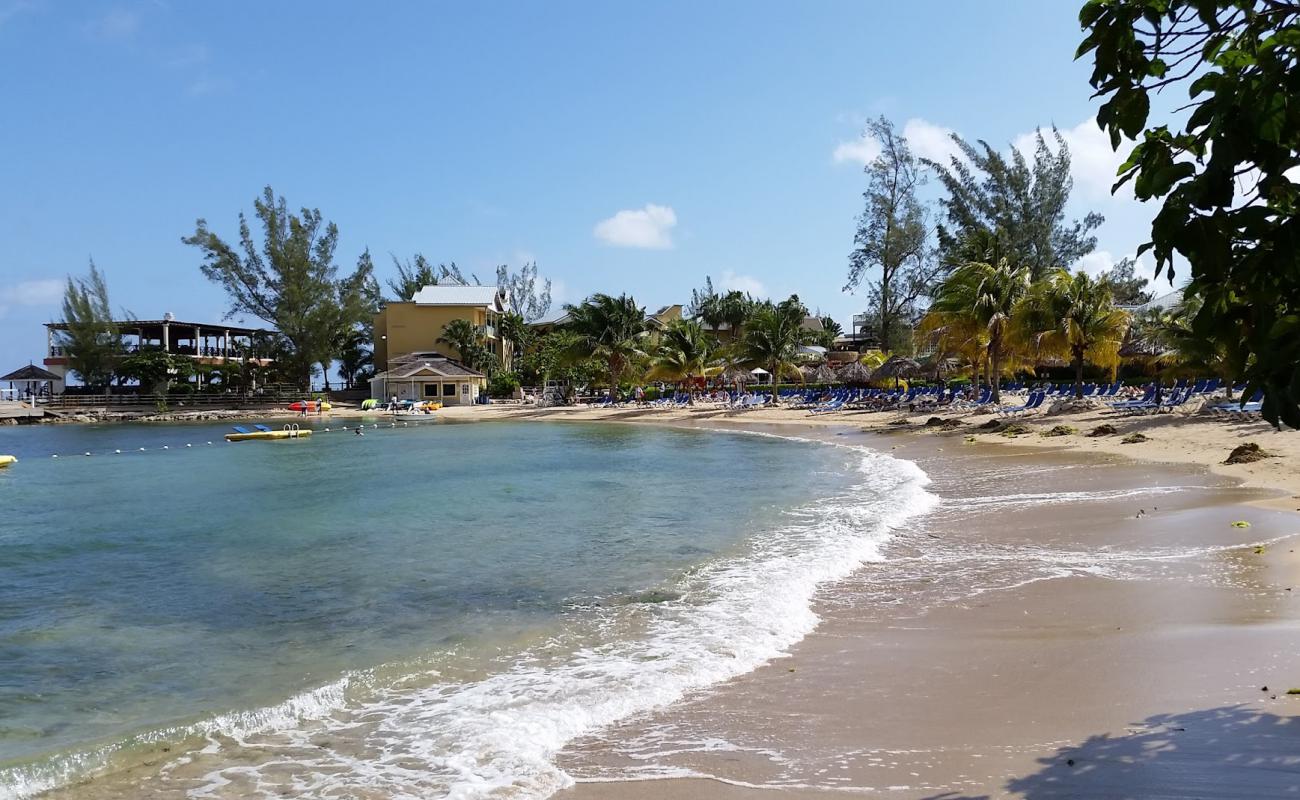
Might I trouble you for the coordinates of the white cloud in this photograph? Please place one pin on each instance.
(732, 282)
(862, 151)
(1093, 164)
(118, 24)
(648, 227)
(926, 139)
(30, 293)
(931, 141)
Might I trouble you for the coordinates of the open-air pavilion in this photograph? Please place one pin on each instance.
(30, 382)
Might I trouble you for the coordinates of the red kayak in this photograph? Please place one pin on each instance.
(311, 406)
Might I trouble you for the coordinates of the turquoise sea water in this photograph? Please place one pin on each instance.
(442, 605)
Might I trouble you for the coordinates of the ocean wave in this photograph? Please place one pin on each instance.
(497, 737)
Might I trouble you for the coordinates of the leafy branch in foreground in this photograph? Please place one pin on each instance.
(1227, 177)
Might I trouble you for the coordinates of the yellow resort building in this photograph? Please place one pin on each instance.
(413, 365)
(416, 325)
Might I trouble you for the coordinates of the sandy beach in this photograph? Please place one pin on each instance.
(1125, 640)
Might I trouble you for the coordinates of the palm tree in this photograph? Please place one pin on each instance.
(514, 329)
(734, 309)
(771, 340)
(469, 342)
(611, 330)
(355, 358)
(1073, 316)
(977, 301)
(1183, 350)
(685, 351)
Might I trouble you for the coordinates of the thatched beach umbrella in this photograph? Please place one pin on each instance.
(938, 367)
(823, 374)
(898, 367)
(854, 372)
(737, 377)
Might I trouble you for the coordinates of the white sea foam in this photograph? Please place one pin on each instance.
(497, 737)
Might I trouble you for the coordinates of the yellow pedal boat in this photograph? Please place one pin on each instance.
(7, 460)
(288, 432)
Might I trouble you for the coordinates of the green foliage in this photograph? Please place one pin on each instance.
(1226, 178)
(1007, 208)
(470, 344)
(91, 342)
(1129, 289)
(735, 308)
(552, 357)
(772, 338)
(830, 331)
(530, 298)
(1073, 316)
(514, 329)
(413, 275)
(610, 330)
(503, 383)
(356, 359)
(152, 369)
(892, 240)
(979, 299)
(684, 351)
(705, 305)
(290, 280)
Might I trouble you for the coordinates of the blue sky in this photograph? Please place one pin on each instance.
(624, 146)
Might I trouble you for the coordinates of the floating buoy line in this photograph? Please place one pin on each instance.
(117, 451)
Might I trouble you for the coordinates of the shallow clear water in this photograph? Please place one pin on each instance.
(445, 604)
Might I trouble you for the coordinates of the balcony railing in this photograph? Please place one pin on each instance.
(58, 351)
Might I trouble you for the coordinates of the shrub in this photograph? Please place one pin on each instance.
(502, 384)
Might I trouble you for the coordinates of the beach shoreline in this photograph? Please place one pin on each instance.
(1082, 666)
(1060, 686)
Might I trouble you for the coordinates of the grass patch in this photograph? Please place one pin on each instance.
(1014, 429)
(1061, 430)
(1247, 453)
(1135, 438)
(991, 425)
(1104, 429)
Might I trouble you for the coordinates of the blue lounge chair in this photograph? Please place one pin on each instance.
(262, 428)
(240, 429)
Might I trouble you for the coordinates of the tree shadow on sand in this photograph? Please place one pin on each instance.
(1228, 752)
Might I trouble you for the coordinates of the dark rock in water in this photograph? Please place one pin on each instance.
(1247, 453)
(653, 596)
(1104, 429)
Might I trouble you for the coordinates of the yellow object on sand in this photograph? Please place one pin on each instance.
(256, 435)
(7, 460)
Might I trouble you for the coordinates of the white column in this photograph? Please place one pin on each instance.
(167, 337)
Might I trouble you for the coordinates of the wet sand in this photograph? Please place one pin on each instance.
(1072, 648)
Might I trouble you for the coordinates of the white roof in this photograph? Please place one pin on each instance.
(454, 295)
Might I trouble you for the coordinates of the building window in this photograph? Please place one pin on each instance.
(449, 390)
(431, 390)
